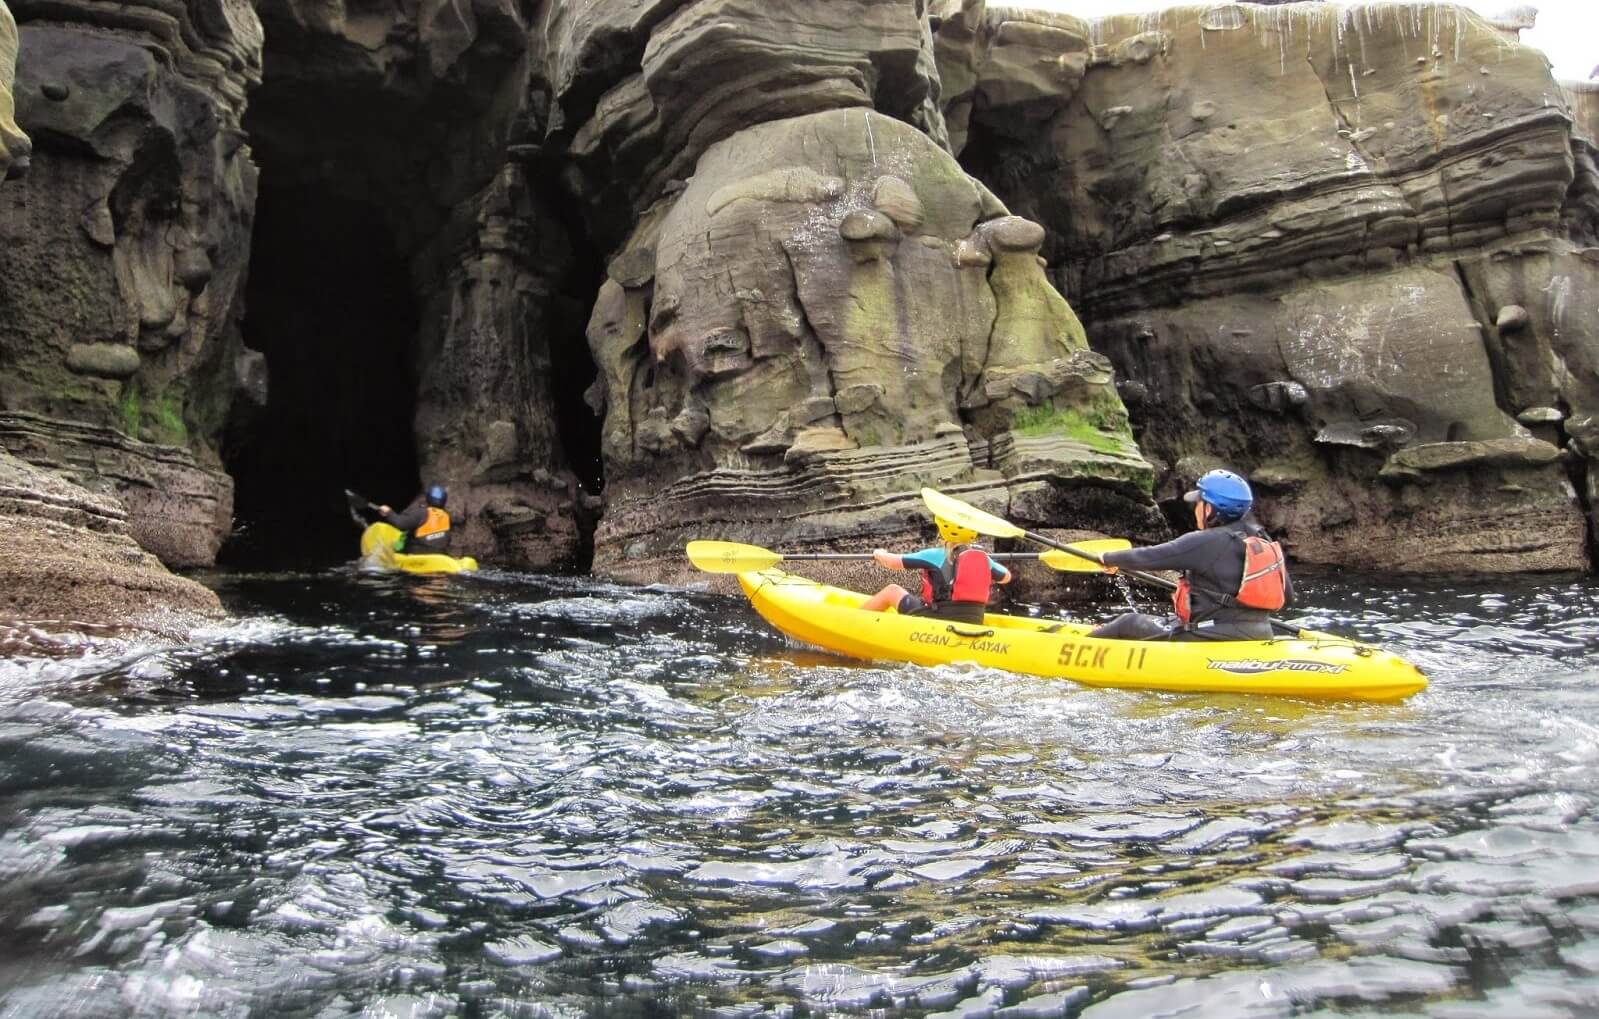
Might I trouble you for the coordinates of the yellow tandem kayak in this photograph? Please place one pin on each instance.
(377, 549)
(1313, 665)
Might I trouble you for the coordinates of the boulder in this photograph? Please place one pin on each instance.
(790, 310)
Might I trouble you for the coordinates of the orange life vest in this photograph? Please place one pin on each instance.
(1262, 587)
(436, 522)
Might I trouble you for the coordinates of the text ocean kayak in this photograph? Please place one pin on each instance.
(1322, 667)
(377, 549)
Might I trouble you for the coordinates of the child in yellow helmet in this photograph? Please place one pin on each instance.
(957, 578)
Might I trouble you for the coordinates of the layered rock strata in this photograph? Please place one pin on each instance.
(1340, 249)
(69, 564)
(1346, 250)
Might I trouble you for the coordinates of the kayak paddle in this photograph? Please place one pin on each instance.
(732, 557)
(357, 504)
(972, 518)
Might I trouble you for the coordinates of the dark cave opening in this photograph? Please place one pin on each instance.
(329, 304)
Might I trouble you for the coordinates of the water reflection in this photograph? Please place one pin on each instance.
(499, 795)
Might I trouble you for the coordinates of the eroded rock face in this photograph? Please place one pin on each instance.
(641, 88)
(486, 405)
(70, 562)
(122, 254)
(1344, 250)
(830, 315)
(1338, 249)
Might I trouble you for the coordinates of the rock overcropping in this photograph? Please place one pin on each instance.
(813, 310)
(70, 562)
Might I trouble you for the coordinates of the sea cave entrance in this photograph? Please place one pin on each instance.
(330, 305)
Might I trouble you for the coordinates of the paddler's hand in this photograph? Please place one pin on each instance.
(384, 511)
(885, 559)
(1108, 568)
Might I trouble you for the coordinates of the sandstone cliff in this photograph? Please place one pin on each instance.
(69, 561)
(121, 257)
(760, 270)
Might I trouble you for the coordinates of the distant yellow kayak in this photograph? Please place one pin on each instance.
(1311, 665)
(377, 549)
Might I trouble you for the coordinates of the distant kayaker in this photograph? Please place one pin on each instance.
(425, 523)
(1234, 575)
(956, 578)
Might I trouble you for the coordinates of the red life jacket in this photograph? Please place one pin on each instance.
(965, 577)
(1262, 586)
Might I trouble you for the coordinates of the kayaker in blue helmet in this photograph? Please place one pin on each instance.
(957, 578)
(1234, 575)
(425, 523)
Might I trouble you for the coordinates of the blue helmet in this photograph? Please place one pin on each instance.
(436, 495)
(1225, 491)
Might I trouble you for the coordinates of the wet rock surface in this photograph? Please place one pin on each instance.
(122, 255)
(70, 564)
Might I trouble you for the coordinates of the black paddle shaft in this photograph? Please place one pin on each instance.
(1148, 578)
(358, 503)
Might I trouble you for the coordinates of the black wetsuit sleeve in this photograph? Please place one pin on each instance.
(410, 518)
(1196, 550)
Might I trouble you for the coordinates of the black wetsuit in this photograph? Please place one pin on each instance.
(412, 517)
(1213, 560)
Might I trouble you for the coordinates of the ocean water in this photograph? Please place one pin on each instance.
(505, 795)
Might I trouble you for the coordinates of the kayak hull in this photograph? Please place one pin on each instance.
(377, 549)
(1322, 666)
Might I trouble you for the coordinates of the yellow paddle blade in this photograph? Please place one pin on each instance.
(1056, 559)
(730, 557)
(970, 517)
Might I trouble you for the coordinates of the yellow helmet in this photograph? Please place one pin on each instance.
(954, 533)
